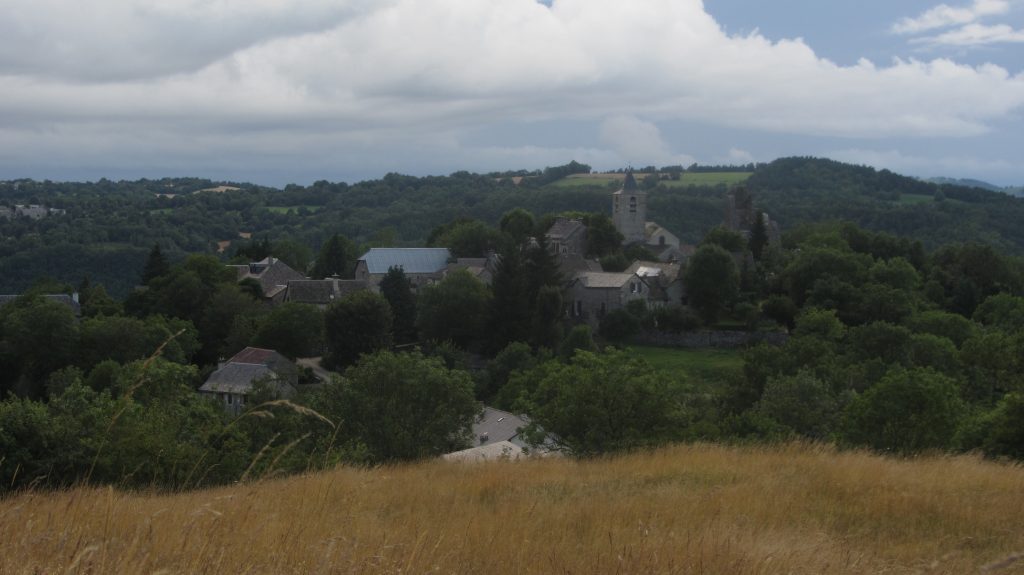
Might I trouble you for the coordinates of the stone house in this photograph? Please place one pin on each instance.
(321, 293)
(567, 237)
(594, 294)
(234, 380)
(273, 276)
(665, 280)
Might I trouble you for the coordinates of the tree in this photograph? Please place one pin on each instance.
(156, 265)
(906, 412)
(469, 239)
(337, 258)
(292, 253)
(801, 402)
(601, 403)
(712, 281)
(403, 406)
(726, 239)
(602, 237)
(758, 236)
(617, 326)
(455, 309)
(518, 224)
(396, 287)
(40, 335)
(547, 315)
(356, 324)
(510, 316)
(293, 330)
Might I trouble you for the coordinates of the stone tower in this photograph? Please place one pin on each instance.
(629, 211)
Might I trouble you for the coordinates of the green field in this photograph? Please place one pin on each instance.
(687, 179)
(696, 364)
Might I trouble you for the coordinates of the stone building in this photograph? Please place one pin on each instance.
(594, 294)
(629, 211)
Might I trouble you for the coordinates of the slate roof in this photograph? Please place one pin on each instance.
(248, 366)
(272, 274)
(237, 378)
(604, 280)
(496, 425)
(564, 228)
(411, 260)
(321, 292)
(501, 450)
(310, 291)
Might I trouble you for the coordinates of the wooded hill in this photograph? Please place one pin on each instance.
(109, 226)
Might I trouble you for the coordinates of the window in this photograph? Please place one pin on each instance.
(661, 240)
(632, 204)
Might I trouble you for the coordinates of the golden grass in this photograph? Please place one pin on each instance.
(687, 509)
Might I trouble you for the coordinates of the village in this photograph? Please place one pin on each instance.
(590, 295)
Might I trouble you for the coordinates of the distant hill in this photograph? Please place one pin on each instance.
(802, 190)
(970, 183)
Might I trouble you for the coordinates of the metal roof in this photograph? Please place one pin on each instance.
(411, 260)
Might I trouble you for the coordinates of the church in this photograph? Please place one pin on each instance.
(629, 214)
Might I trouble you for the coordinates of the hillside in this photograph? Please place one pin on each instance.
(803, 190)
(695, 509)
(108, 227)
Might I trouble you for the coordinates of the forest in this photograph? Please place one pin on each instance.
(897, 343)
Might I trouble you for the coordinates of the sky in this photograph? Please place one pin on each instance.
(295, 91)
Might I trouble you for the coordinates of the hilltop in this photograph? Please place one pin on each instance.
(687, 509)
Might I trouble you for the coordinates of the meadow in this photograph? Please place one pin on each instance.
(687, 179)
(794, 508)
(709, 365)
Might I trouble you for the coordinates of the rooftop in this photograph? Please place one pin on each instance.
(604, 280)
(411, 260)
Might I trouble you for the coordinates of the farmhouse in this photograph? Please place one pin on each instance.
(235, 379)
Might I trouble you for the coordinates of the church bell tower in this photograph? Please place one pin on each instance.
(629, 211)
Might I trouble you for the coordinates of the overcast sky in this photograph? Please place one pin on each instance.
(280, 91)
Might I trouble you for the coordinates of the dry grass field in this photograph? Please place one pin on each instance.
(687, 509)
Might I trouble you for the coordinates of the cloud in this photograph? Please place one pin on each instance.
(639, 143)
(321, 83)
(924, 166)
(943, 16)
(974, 35)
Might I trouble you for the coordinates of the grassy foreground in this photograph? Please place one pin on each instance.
(687, 509)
